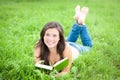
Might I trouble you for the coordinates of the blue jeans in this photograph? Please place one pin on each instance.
(80, 30)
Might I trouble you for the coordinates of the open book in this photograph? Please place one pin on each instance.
(58, 66)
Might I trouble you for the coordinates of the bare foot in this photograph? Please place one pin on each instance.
(83, 14)
(77, 13)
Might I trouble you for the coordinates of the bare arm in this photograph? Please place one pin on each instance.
(36, 54)
(67, 53)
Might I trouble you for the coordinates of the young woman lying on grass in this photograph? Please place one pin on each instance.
(52, 46)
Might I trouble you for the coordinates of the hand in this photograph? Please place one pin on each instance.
(40, 62)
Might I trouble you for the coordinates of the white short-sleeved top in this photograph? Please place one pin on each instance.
(75, 52)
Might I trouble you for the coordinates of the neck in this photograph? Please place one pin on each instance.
(53, 50)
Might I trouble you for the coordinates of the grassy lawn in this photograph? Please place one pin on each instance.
(20, 25)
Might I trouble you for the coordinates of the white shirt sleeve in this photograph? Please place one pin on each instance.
(75, 53)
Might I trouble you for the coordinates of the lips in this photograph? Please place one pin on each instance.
(50, 43)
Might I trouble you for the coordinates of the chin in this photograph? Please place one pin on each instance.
(51, 46)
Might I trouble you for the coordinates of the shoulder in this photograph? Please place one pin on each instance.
(37, 49)
(71, 51)
(67, 51)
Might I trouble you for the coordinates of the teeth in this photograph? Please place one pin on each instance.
(50, 42)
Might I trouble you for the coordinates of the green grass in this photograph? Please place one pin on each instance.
(20, 25)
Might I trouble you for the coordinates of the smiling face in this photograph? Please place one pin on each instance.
(51, 38)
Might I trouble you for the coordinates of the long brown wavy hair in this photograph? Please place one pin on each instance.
(44, 51)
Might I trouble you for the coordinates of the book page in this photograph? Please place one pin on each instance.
(44, 66)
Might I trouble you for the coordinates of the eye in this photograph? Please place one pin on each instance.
(54, 35)
(47, 34)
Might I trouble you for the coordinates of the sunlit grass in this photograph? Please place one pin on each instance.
(20, 25)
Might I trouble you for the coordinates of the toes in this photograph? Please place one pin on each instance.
(77, 8)
(85, 10)
(77, 12)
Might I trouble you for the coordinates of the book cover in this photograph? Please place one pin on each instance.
(57, 66)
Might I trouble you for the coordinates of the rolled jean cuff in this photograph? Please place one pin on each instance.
(79, 25)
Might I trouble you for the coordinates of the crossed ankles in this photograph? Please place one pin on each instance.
(81, 15)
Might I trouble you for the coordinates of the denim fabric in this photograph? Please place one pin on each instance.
(80, 30)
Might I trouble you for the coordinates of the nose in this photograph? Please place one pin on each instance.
(50, 38)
